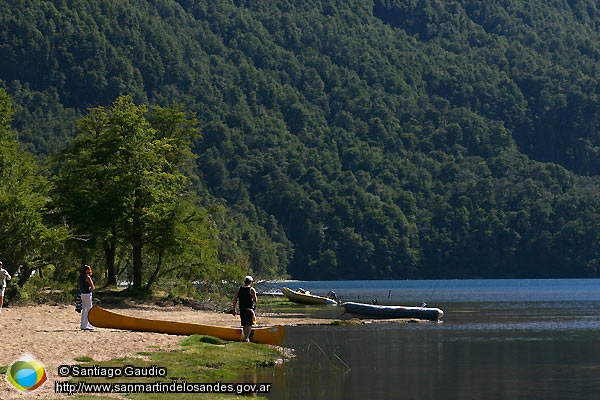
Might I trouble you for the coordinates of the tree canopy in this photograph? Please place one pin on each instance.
(28, 237)
(340, 139)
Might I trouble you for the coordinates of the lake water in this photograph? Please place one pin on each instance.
(499, 339)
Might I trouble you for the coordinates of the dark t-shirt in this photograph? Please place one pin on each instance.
(84, 286)
(245, 298)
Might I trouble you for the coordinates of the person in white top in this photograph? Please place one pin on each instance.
(4, 276)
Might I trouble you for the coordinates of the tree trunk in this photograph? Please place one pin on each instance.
(110, 249)
(137, 264)
(24, 274)
(137, 243)
(156, 270)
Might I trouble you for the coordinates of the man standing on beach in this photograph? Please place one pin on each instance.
(4, 275)
(247, 297)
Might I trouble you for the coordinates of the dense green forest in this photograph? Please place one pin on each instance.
(355, 139)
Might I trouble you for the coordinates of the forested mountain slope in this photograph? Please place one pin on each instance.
(382, 138)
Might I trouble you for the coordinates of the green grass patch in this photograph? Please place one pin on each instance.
(200, 359)
(195, 339)
(273, 300)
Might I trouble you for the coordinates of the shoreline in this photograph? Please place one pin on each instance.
(51, 335)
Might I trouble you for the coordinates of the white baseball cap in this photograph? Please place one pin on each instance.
(248, 278)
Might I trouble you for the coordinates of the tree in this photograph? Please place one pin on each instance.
(27, 239)
(121, 179)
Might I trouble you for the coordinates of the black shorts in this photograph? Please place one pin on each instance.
(247, 317)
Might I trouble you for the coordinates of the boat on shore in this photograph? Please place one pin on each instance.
(363, 310)
(102, 318)
(302, 296)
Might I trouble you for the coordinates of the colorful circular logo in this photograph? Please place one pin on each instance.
(26, 374)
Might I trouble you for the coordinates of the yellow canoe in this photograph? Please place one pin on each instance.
(304, 297)
(102, 318)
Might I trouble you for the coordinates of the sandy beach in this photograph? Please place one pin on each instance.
(51, 335)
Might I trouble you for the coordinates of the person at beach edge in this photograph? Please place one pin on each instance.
(247, 297)
(4, 275)
(86, 287)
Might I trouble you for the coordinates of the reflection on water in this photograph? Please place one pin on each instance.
(496, 346)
